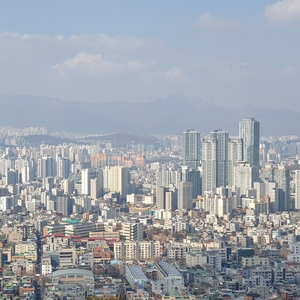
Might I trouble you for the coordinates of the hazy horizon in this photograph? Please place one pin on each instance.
(183, 95)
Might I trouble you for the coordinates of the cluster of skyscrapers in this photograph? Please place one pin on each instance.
(219, 160)
(216, 160)
(218, 154)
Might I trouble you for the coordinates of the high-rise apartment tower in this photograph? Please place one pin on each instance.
(249, 132)
(191, 148)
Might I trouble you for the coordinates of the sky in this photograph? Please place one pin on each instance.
(231, 52)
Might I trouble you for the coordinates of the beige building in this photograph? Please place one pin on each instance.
(25, 247)
(258, 206)
(15, 236)
(195, 258)
(118, 180)
(30, 268)
(136, 250)
(105, 234)
(262, 239)
(67, 257)
(255, 261)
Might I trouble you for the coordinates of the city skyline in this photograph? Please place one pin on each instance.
(68, 210)
(149, 150)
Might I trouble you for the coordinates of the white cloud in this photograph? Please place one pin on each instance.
(173, 77)
(97, 64)
(87, 42)
(232, 72)
(291, 70)
(115, 43)
(81, 58)
(283, 12)
(102, 68)
(209, 22)
(91, 53)
(59, 37)
(82, 66)
(87, 63)
(136, 65)
(175, 73)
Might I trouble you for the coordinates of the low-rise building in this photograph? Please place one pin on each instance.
(255, 261)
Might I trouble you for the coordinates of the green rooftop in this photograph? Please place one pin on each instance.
(71, 221)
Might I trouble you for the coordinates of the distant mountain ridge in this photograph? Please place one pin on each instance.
(173, 114)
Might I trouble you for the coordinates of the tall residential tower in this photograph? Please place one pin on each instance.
(215, 160)
(191, 148)
(221, 138)
(249, 133)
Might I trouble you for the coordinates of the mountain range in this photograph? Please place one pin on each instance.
(173, 114)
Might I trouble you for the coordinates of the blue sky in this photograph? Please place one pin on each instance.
(228, 52)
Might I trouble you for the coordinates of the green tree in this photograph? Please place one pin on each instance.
(180, 235)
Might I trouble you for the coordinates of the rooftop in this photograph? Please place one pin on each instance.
(137, 273)
(71, 221)
(65, 272)
(168, 269)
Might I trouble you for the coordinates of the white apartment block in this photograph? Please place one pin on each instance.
(195, 258)
(176, 250)
(136, 250)
(214, 260)
(46, 265)
(132, 231)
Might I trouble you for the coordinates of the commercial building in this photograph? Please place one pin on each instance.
(169, 279)
(72, 277)
(67, 257)
(135, 276)
(81, 229)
